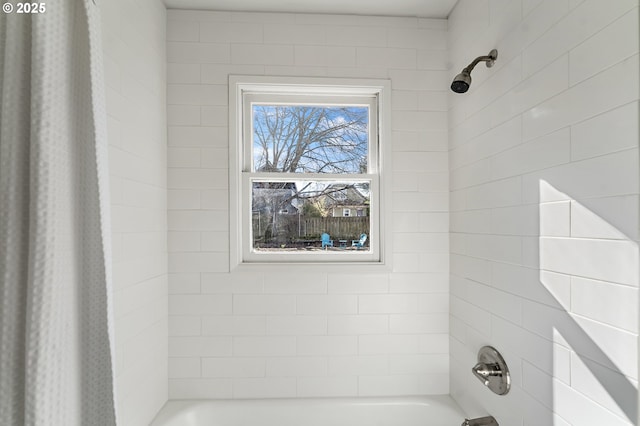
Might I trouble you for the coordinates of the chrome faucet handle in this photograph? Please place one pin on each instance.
(484, 371)
(492, 370)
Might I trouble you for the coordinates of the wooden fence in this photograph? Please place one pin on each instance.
(338, 227)
(293, 227)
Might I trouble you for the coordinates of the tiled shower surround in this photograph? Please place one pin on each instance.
(544, 209)
(514, 212)
(134, 57)
(316, 332)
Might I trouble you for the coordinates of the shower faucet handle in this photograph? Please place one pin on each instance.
(492, 370)
(484, 371)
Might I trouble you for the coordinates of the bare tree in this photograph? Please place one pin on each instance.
(310, 139)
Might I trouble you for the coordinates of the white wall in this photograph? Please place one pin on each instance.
(245, 335)
(544, 208)
(135, 71)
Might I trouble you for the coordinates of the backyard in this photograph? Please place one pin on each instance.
(296, 232)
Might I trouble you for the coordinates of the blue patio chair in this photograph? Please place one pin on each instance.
(326, 241)
(358, 244)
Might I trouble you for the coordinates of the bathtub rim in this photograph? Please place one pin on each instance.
(176, 407)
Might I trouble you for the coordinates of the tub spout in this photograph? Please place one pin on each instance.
(480, 421)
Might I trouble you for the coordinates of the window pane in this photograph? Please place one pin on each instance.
(310, 139)
(293, 216)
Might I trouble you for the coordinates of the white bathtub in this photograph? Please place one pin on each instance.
(405, 411)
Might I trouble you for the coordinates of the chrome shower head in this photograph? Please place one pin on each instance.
(462, 81)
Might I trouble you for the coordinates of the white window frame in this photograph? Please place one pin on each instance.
(243, 90)
(346, 212)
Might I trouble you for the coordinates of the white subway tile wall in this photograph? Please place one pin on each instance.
(544, 208)
(246, 335)
(134, 49)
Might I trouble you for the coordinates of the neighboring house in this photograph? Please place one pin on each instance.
(268, 200)
(346, 201)
(349, 211)
(272, 207)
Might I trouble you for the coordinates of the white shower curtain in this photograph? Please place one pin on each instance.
(56, 351)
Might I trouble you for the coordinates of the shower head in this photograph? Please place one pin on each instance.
(462, 81)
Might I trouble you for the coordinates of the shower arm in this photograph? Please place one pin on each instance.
(489, 59)
(476, 61)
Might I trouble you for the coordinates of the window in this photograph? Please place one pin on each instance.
(304, 154)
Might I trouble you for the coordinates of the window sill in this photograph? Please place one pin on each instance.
(319, 267)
